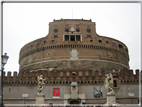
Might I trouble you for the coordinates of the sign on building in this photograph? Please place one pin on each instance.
(56, 92)
(98, 92)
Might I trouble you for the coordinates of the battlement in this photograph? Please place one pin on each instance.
(67, 76)
(55, 20)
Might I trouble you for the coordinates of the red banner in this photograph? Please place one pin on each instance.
(56, 92)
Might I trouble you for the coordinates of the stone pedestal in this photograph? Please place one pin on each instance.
(111, 100)
(40, 99)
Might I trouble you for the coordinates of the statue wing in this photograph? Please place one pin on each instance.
(111, 81)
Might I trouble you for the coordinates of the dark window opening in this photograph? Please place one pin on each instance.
(120, 46)
(100, 41)
(126, 50)
(91, 40)
(73, 73)
(77, 28)
(55, 28)
(88, 28)
(88, 35)
(107, 42)
(115, 83)
(52, 40)
(66, 37)
(67, 28)
(78, 38)
(72, 37)
(38, 44)
(31, 45)
(44, 41)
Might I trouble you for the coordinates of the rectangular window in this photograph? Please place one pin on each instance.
(88, 28)
(55, 35)
(80, 73)
(88, 35)
(77, 28)
(61, 74)
(56, 92)
(78, 38)
(55, 28)
(67, 74)
(113, 44)
(66, 37)
(72, 37)
(67, 28)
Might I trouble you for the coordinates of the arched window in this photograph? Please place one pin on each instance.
(115, 83)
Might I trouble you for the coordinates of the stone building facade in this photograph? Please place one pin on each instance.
(74, 60)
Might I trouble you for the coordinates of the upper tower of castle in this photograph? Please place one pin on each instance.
(74, 43)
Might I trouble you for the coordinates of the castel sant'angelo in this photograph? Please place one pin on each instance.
(73, 59)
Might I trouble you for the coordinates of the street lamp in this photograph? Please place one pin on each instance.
(4, 61)
(25, 96)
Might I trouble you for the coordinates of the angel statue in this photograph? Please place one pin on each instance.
(109, 83)
(40, 83)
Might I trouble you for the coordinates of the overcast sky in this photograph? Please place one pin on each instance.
(25, 22)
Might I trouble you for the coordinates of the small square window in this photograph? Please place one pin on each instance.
(107, 42)
(44, 41)
(113, 44)
(88, 35)
(38, 44)
(52, 40)
(91, 40)
(120, 46)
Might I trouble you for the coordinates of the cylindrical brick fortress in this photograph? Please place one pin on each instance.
(74, 44)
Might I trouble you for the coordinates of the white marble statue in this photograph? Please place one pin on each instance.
(109, 83)
(40, 83)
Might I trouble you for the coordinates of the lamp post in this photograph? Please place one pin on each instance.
(131, 95)
(25, 96)
(4, 61)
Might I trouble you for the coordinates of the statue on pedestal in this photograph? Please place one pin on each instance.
(109, 83)
(40, 83)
